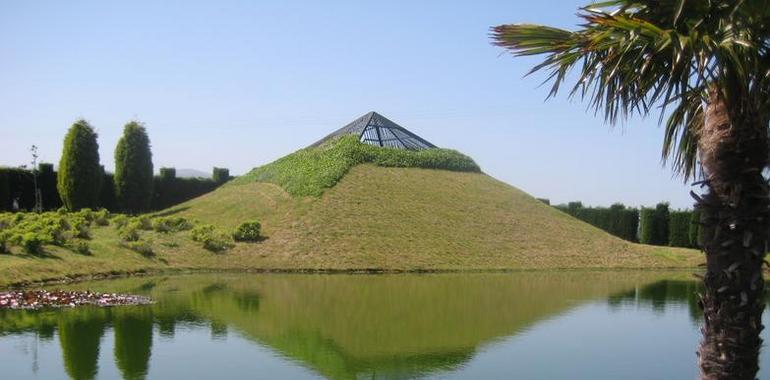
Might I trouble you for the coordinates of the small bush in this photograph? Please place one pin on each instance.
(81, 228)
(32, 243)
(144, 222)
(212, 239)
(120, 220)
(171, 224)
(102, 217)
(247, 231)
(142, 247)
(82, 248)
(129, 232)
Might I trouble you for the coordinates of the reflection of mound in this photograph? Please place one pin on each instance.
(340, 326)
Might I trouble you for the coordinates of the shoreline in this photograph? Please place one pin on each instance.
(65, 280)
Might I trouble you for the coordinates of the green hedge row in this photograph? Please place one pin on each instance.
(18, 184)
(617, 219)
(655, 226)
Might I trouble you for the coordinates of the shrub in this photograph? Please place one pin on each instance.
(81, 227)
(171, 224)
(133, 169)
(144, 222)
(142, 247)
(79, 171)
(102, 217)
(129, 232)
(4, 237)
(120, 220)
(82, 248)
(212, 239)
(32, 243)
(247, 231)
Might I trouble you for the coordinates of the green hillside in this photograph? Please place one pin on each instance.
(370, 209)
(377, 212)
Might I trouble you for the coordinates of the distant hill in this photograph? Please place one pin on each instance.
(192, 173)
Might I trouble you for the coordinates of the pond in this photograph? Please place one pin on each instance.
(529, 325)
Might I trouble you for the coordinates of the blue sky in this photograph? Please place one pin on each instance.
(240, 83)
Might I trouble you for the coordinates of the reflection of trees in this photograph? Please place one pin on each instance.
(342, 327)
(80, 332)
(662, 294)
(133, 341)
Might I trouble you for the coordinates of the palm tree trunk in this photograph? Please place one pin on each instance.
(735, 221)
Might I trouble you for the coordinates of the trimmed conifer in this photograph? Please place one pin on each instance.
(133, 169)
(79, 175)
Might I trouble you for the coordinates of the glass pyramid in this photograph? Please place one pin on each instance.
(375, 129)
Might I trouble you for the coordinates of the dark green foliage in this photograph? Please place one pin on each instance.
(5, 192)
(20, 186)
(133, 169)
(662, 216)
(46, 182)
(173, 191)
(617, 219)
(679, 228)
(79, 172)
(654, 225)
(169, 191)
(647, 224)
(220, 175)
(32, 243)
(107, 197)
(247, 231)
(545, 200)
(695, 230)
(310, 171)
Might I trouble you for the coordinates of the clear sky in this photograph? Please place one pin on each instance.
(240, 83)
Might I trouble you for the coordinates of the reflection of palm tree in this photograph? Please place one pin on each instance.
(133, 341)
(79, 336)
(709, 61)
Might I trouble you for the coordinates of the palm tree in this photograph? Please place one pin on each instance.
(708, 63)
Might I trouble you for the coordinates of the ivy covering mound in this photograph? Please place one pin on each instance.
(310, 171)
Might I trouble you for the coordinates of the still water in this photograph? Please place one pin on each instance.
(532, 325)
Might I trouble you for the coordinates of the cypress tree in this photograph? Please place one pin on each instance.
(79, 171)
(133, 169)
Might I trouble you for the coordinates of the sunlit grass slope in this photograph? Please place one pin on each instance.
(412, 219)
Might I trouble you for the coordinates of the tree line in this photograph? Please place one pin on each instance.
(655, 226)
(81, 181)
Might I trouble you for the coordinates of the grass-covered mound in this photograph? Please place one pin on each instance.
(310, 171)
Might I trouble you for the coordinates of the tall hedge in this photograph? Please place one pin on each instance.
(654, 225)
(5, 192)
(133, 169)
(617, 219)
(220, 175)
(695, 231)
(46, 181)
(679, 228)
(79, 171)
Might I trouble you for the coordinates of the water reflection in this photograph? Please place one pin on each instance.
(336, 326)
